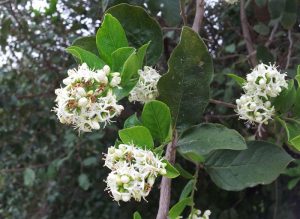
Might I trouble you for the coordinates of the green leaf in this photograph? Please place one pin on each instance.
(187, 190)
(241, 81)
(110, 37)
(141, 53)
(264, 55)
(178, 208)
(87, 43)
(261, 29)
(139, 136)
(87, 57)
(90, 161)
(293, 182)
(83, 181)
(200, 140)
(137, 215)
(132, 121)
(140, 29)
(185, 87)
(230, 48)
(292, 128)
(119, 57)
(261, 163)
(275, 7)
(289, 14)
(130, 69)
(29, 177)
(298, 76)
(184, 173)
(286, 98)
(171, 170)
(157, 118)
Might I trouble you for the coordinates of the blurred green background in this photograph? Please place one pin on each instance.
(48, 171)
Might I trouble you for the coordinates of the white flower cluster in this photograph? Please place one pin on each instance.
(263, 83)
(133, 172)
(146, 88)
(231, 1)
(87, 99)
(196, 214)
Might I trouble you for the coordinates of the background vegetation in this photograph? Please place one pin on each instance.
(48, 171)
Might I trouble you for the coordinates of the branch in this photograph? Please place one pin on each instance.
(290, 49)
(246, 34)
(271, 37)
(165, 186)
(219, 102)
(199, 15)
(182, 12)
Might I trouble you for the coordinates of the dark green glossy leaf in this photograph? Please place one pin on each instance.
(200, 140)
(185, 87)
(261, 163)
(140, 29)
(184, 173)
(264, 55)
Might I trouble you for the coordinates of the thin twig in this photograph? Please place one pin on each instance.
(199, 15)
(165, 186)
(219, 102)
(246, 34)
(182, 11)
(290, 49)
(13, 170)
(271, 37)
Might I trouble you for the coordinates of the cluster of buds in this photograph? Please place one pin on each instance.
(146, 87)
(87, 99)
(263, 83)
(133, 172)
(196, 214)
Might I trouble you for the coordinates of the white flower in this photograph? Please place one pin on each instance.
(231, 1)
(197, 214)
(263, 83)
(87, 99)
(146, 87)
(254, 109)
(134, 171)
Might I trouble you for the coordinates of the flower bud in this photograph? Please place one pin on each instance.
(82, 101)
(106, 69)
(67, 81)
(151, 180)
(81, 91)
(163, 171)
(125, 179)
(95, 125)
(100, 75)
(126, 197)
